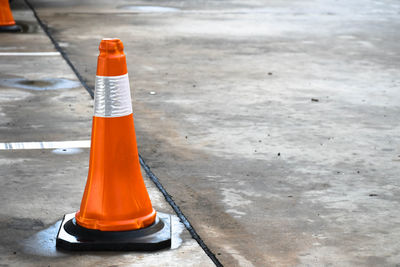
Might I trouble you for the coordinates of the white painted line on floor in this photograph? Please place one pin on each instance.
(30, 53)
(45, 145)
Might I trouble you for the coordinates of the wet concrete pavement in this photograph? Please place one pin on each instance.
(273, 125)
(42, 100)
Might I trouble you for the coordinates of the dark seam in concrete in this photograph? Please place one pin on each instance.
(59, 49)
(149, 173)
(178, 211)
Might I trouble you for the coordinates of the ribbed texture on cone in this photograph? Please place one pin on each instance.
(115, 197)
(6, 17)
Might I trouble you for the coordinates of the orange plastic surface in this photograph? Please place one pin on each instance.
(115, 197)
(6, 17)
(112, 60)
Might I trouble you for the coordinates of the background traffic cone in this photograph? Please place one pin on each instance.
(116, 212)
(7, 23)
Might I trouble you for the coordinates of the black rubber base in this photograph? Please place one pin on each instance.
(72, 236)
(11, 28)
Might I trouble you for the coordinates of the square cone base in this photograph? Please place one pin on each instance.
(72, 236)
(11, 28)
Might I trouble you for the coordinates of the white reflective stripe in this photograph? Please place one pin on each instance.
(45, 145)
(112, 96)
(30, 54)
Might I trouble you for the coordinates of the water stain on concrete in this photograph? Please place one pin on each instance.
(67, 151)
(39, 85)
(28, 26)
(43, 243)
(177, 229)
(148, 9)
(24, 223)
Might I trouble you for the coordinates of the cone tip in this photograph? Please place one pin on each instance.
(111, 45)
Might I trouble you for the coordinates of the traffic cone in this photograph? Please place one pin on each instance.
(116, 212)
(7, 23)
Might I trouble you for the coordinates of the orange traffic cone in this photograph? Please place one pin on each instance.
(7, 23)
(116, 212)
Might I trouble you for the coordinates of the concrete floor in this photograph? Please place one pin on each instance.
(274, 125)
(37, 187)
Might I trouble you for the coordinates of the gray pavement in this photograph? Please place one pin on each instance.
(37, 187)
(274, 124)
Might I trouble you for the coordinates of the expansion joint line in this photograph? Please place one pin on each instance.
(178, 212)
(59, 49)
(149, 173)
